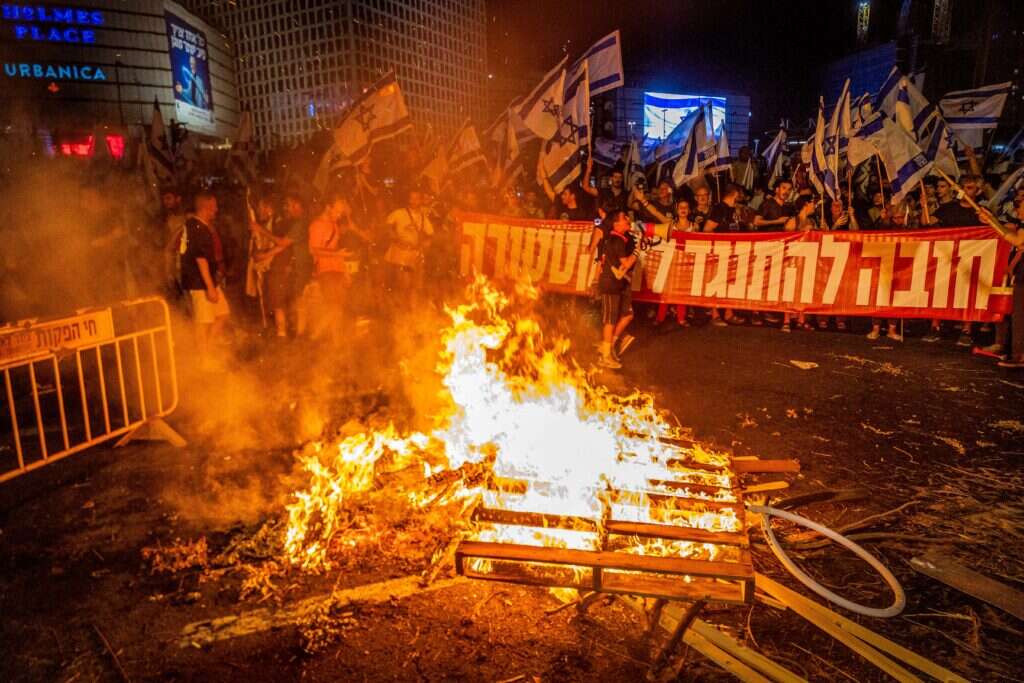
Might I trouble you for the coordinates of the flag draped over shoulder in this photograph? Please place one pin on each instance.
(380, 113)
(541, 110)
(975, 109)
(561, 156)
(604, 63)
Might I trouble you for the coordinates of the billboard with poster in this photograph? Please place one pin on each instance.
(190, 75)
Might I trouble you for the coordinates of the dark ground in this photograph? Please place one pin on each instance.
(908, 422)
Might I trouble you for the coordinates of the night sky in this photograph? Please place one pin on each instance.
(769, 51)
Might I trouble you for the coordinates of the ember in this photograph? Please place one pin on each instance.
(579, 487)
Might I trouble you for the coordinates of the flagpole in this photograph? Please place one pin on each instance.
(881, 181)
(924, 204)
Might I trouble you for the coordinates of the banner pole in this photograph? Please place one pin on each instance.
(881, 181)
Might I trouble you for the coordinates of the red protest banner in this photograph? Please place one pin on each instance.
(950, 274)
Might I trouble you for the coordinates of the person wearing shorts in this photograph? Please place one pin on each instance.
(202, 266)
(618, 255)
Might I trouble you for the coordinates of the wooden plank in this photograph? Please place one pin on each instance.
(723, 659)
(604, 560)
(865, 634)
(642, 529)
(798, 604)
(636, 496)
(647, 585)
(751, 658)
(972, 583)
(752, 465)
(739, 656)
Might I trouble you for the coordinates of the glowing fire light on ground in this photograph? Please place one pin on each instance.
(548, 441)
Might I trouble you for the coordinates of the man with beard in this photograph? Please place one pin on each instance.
(611, 198)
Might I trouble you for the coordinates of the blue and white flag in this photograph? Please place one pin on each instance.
(604, 62)
(1013, 182)
(698, 152)
(608, 152)
(632, 164)
(561, 156)
(773, 155)
(824, 159)
(860, 109)
(904, 162)
(837, 135)
(899, 89)
(541, 110)
(672, 146)
(938, 146)
(974, 109)
(465, 151)
(723, 157)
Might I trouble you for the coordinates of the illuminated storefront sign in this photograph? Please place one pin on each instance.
(54, 72)
(52, 24)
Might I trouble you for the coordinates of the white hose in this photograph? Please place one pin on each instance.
(768, 512)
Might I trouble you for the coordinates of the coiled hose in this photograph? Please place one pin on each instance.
(767, 513)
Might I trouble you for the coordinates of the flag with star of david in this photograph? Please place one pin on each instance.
(561, 156)
(380, 113)
(541, 110)
(979, 108)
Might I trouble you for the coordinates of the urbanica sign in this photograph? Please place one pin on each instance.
(54, 72)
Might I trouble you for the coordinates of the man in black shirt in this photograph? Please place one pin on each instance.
(775, 210)
(724, 217)
(611, 198)
(618, 255)
(959, 214)
(202, 266)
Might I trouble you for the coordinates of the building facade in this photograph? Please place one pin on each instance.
(83, 74)
(301, 62)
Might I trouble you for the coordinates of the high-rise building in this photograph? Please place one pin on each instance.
(300, 62)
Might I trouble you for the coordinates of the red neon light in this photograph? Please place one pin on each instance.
(81, 148)
(115, 145)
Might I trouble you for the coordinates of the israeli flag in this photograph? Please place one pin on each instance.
(561, 156)
(1012, 183)
(824, 159)
(608, 152)
(899, 90)
(773, 155)
(723, 157)
(695, 152)
(541, 110)
(975, 109)
(672, 146)
(604, 62)
(938, 146)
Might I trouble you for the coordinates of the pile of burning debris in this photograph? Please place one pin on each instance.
(532, 474)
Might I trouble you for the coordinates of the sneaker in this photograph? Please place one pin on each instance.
(964, 340)
(894, 335)
(931, 337)
(624, 343)
(785, 328)
(718, 322)
(609, 362)
(873, 334)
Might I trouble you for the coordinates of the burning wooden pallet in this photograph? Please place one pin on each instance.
(676, 538)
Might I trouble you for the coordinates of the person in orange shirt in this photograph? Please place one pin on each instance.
(331, 267)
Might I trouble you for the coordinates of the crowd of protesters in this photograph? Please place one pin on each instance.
(281, 262)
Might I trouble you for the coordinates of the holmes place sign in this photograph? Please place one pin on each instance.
(52, 24)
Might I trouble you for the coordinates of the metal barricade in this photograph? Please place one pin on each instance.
(75, 382)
